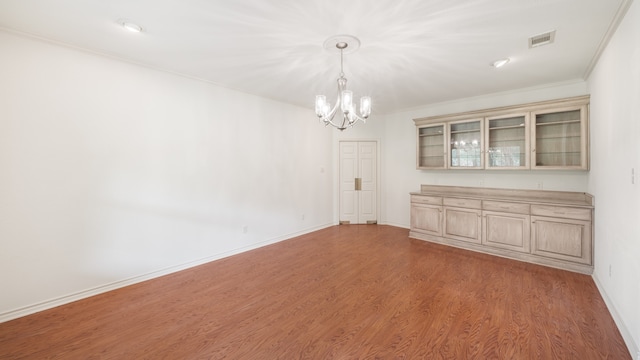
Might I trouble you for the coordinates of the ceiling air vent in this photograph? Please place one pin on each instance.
(542, 39)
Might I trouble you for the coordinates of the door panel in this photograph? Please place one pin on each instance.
(358, 160)
(348, 170)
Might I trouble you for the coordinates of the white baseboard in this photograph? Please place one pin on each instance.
(395, 225)
(48, 304)
(626, 335)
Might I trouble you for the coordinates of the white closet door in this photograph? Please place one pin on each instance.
(358, 182)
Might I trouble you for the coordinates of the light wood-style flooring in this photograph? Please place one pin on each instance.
(345, 292)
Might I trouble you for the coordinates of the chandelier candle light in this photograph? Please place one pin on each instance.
(324, 111)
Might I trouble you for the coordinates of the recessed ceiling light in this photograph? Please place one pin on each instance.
(133, 27)
(500, 63)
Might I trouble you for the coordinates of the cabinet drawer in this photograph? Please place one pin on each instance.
(561, 212)
(464, 203)
(424, 199)
(514, 208)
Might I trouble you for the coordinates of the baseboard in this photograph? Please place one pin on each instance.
(626, 335)
(395, 225)
(62, 300)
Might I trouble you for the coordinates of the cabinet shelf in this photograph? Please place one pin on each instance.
(522, 140)
(566, 122)
(569, 153)
(572, 137)
(465, 132)
(507, 127)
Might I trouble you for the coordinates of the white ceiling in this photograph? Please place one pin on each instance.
(413, 52)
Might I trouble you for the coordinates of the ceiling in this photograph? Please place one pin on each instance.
(412, 53)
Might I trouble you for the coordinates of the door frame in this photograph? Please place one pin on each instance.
(336, 178)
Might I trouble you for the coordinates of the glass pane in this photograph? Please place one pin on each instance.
(434, 130)
(507, 140)
(573, 115)
(465, 144)
(498, 123)
(558, 139)
(431, 142)
(470, 126)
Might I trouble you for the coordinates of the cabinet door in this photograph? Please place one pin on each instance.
(506, 231)
(426, 219)
(432, 147)
(564, 239)
(462, 224)
(465, 145)
(560, 139)
(507, 139)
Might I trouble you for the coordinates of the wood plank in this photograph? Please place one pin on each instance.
(345, 292)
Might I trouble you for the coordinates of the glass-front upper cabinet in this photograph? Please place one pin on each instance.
(432, 147)
(545, 135)
(507, 142)
(560, 139)
(465, 144)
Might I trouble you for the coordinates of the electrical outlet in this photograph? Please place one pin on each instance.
(245, 229)
(481, 183)
(539, 185)
(302, 217)
(609, 270)
(633, 176)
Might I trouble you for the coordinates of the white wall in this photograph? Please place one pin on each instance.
(399, 153)
(615, 150)
(111, 173)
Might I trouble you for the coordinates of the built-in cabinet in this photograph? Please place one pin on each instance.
(549, 135)
(552, 228)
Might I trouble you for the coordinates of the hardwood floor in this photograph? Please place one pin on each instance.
(345, 292)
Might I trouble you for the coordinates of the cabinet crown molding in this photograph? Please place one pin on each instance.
(503, 110)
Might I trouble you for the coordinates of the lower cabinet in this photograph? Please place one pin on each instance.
(427, 219)
(563, 239)
(462, 224)
(550, 228)
(506, 231)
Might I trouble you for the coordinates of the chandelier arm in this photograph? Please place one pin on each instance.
(341, 126)
(359, 118)
(333, 111)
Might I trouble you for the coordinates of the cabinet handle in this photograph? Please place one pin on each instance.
(358, 184)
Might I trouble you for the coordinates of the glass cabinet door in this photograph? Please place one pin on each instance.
(507, 142)
(431, 147)
(560, 139)
(465, 145)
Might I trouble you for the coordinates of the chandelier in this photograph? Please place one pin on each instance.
(348, 116)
